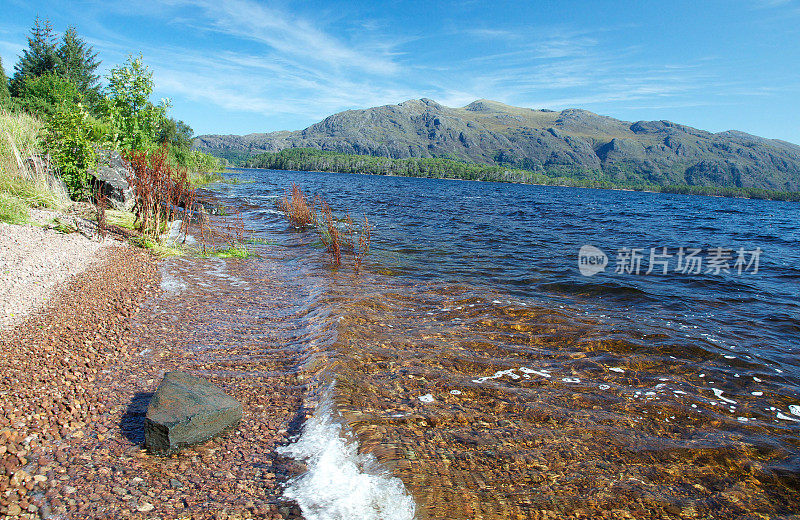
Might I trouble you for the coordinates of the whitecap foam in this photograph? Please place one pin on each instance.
(340, 483)
(718, 393)
(172, 283)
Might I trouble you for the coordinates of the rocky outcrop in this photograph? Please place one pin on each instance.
(112, 174)
(187, 410)
(489, 132)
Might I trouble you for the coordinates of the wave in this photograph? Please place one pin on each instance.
(340, 483)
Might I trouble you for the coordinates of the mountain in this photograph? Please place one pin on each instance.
(573, 140)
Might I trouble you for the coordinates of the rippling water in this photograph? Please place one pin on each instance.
(472, 361)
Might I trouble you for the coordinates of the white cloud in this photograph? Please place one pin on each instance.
(290, 36)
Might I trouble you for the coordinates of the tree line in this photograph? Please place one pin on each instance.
(310, 159)
(56, 80)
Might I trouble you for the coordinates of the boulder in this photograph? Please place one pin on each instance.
(112, 174)
(187, 410)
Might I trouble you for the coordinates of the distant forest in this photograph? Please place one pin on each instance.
(309, 159)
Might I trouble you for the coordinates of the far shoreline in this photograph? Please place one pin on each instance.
(522, 184)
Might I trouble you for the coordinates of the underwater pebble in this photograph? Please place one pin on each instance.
(757, 394)
(427, 398)
(455, 392)
(794, 409)
(603, 387)
(570, 379)
(617, 369)
(786, 417)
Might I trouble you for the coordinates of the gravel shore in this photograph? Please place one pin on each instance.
(75, 380)
(34, 261)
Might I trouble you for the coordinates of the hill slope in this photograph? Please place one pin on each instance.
(575, 141)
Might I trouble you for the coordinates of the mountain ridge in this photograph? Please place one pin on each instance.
(586, 144)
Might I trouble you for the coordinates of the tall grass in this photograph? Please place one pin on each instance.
(160, 190)
(297, 209)
(338, 235)
(25, 179)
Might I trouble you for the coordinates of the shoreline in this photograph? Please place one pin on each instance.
(75, 382)
(36, 260)
(519, 183)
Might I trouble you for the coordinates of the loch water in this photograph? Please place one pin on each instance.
(470, 370)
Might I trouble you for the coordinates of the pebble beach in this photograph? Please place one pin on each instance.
(75, 381)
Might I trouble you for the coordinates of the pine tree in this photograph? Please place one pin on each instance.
(39, 58)
(3, 82)
(77, 63)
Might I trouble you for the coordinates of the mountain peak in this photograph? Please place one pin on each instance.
(423, 101)
(485, 105)
(543, 141)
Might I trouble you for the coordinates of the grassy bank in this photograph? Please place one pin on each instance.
(25, 183)
(308, 159)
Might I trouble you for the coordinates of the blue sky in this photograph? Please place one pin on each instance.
(241, 66)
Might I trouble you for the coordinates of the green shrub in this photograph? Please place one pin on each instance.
(135, 120)
(68, 139)
(42, 95)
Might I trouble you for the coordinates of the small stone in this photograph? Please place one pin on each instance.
(69, 490)
(175, 483)
(14, 510)
(145, 507)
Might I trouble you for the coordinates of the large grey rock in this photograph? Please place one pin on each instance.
(186, 410)
(112, 173)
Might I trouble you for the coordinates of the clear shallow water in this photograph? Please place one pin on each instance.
(473, 361)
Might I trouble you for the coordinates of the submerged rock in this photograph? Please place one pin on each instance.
(186, 410)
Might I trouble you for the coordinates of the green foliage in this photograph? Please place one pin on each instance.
(197, 161)
(42, 95)
(13, 210)
(203, 178)
(41, 56)
(134, 119)
(68, 139)
(175, 134)
(157, 248)
(77, 63)
(63, 227)
(21, 182)
(227, 252)
(4, 92)
(309, 159)
(233, 157)
(123, 219)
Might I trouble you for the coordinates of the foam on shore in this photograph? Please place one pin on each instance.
(340, 483)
